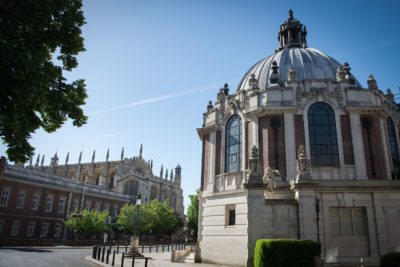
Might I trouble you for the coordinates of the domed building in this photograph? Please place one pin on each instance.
(300, 150)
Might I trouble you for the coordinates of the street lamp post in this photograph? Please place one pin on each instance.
(134, 246)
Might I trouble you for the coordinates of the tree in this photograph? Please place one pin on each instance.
(155, 216)
(34, 92)
(193, 213)
(89, 223)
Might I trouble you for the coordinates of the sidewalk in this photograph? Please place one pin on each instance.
(157, 260)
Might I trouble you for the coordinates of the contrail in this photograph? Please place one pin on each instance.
(157, 99)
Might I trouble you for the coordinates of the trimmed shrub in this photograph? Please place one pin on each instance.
(286, 253)
(390, 260)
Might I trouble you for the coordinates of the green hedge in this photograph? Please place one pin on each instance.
(286, 253)
(390, 260)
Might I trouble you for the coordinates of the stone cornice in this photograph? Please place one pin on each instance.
(207, 129)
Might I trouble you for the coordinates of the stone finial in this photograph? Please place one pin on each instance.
(274, 78)
(226, 89)
(161, 171)
(291, 74)
(41, 164)
(390, 95)
(54, 160)
(141, 151)
(151, 164)
(253, 82)
(210, 106)
(254, 177)
(66, 159)
(172, 174)
(80, 158)
(122, 154)
(290, 12)
(274, 67)
(93, 156)
(372, 82)
(348, 75)
(303, 165)
(166, 174)
(30, 161)
(37, 160)
(108, 154)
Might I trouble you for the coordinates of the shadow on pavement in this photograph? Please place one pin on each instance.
(30, 249)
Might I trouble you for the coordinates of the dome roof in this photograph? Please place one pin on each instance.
(308, 63)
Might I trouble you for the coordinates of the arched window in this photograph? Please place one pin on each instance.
(393, 145)
(322, 133)
(233, 144)
(131, 189)
(153, 193)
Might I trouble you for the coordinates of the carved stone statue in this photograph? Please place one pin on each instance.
(340, 74)
(270, 176)
(254, 177)
(303, 165)
(253, 82)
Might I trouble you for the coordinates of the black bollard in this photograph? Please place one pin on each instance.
(102, 256)
(168, 247)
(94, 252)
(117, 248)
(108, 255)
(126, 247)
(162, 248)
(99, 253)
(122, 259)
(133, 259)
(150, 249)
(145, 262)
(113, 259)
(142, 249)
(156, 248)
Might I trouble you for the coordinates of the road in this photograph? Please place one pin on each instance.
(44, 257)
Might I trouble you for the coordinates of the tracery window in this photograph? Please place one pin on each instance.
(233, 144)
(131, 189)
(322, 135)
(393, 146)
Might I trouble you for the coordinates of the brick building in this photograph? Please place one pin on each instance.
(34, 204)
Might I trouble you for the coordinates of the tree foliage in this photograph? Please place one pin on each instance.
(34, 92)
(90, 223)
(193, 212)
(155, 216)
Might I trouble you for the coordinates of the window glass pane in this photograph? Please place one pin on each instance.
(233, 144)
(322, 133)
(347, 223)
(334, 221)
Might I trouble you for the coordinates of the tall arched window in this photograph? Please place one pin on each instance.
(322, 133)
(393, 145)
(233, 144)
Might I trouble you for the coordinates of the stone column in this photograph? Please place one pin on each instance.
(307, 214)
(358, 147)
(253, 132)
(290, 147)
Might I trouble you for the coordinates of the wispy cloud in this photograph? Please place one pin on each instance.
(157, 99)
(113, 134)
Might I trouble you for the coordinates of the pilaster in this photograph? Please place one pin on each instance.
(211, 162)
(290, 149)
(358, 146)
(385, 145)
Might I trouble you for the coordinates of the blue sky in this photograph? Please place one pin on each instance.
(151, 67)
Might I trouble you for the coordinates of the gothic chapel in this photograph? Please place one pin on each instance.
(300, 150)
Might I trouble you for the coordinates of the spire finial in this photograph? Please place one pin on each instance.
(161, 171)
(93, 156)
(292, 33)
(80, 157)
(66, 159)
(141, 150)
(108, 154)
(290, 13)
(122, 154)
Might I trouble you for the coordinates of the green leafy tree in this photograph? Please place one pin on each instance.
(155, 216)
(34, 92)
(193, 213)
(89, 223)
